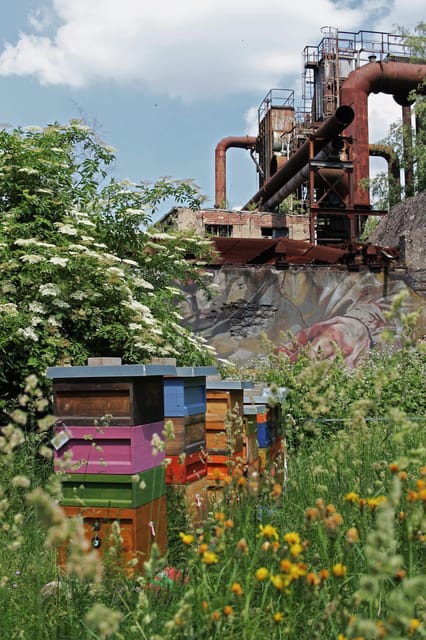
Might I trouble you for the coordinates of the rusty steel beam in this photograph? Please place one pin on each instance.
(394, 78)
(242, 142)
(329, 130)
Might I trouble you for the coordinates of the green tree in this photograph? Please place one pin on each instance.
(82, 271)
(408, 144)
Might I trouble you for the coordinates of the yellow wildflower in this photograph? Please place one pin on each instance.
(374, 502)
(277, 581)
(261, 574)
(296, 550)
(292, 538)
(227, 610)
(414, 625)
(209, 557)
(352, 497)
(187, 538)
(268, 531)
(339, 570)
(278, 617)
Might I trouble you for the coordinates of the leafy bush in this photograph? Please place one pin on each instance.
(82, 272)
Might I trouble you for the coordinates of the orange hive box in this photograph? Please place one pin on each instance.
(139, 529)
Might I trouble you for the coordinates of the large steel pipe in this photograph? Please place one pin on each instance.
(328, 131)
(387, 153)
(301, 176)
(243, 142)
(394, 78)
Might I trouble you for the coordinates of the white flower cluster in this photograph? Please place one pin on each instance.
(62, 262)
(29, 332)
(9, 308)
(49, 289)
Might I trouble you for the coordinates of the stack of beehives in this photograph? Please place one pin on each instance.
(109, 417)
(186, 459)
(226, 439)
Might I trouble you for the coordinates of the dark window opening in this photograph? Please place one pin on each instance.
(220, 230)
(274, 232)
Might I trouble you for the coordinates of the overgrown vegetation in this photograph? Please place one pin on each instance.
(82, 272)
(335, 551)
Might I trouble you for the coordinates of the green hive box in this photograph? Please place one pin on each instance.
(114, 490)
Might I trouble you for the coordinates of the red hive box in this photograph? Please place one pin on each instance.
(186, 468)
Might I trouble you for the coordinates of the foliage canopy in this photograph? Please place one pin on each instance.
(82, 271)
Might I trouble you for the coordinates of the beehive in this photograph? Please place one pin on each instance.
(129, 395)
(189, 434)
(107, 449)
(194, 499)
(139, 529)
(113, 490)
(185, 408)
(186, 468)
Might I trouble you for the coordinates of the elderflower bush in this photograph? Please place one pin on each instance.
(81, 272)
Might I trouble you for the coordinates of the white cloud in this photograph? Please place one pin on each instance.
(186, 49)
(382, 112)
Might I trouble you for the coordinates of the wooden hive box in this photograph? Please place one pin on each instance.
(185, 393)
(251, 449)
(139, 529)
(251, 412)
(130, 394)
(194, 496)
(186, 468)
(264, 458)
(224, 396)
(185, 407)
(220, 465)
(219, 442)
(189, 432)
(106, 450)
(264, 430)
(107, 490)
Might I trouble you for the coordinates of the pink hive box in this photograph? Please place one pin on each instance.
(106, 449)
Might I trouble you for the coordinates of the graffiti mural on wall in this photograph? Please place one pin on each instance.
(323, 307)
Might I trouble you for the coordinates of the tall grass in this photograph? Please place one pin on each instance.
(336, 551)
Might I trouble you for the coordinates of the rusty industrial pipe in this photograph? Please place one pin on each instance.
(329, 130)
(333, 148)
(387, 153)
(242, 142)
(394, 78)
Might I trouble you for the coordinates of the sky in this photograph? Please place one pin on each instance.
(163, 82)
